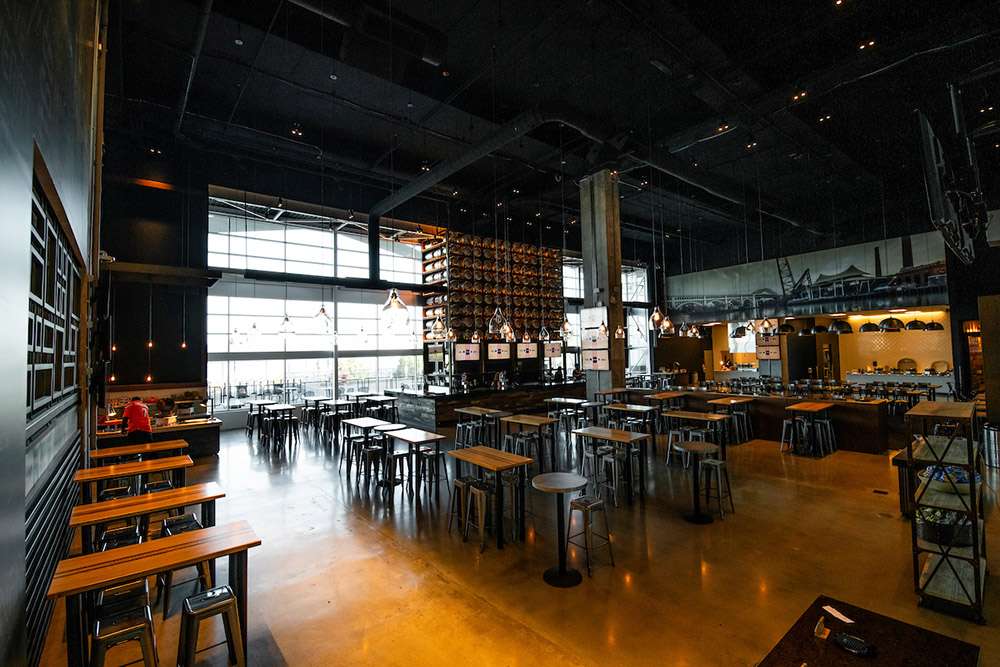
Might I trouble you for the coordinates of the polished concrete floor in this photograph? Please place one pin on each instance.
(343, 580)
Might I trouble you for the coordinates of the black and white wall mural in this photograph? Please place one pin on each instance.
(907, 271)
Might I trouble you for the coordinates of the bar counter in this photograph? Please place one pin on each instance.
(861, 426)
(202, 436)
(432, 410)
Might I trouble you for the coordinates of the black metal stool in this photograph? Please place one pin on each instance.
(197, 608)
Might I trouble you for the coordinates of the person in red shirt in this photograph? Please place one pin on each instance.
(135, 421)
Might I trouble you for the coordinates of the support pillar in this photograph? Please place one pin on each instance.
(602, 268)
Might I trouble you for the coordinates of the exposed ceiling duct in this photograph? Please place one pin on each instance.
(531, 120)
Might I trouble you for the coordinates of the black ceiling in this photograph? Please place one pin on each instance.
(718, 85)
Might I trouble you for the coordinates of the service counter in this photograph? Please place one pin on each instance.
(431, 411)
(202, 436)
(861, 426)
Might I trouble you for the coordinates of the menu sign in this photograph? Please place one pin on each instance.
(591, 318)
(595, 360)
(466, 352)
(593, 339)
(773, 352)
(553, 349)
(527, 350)
(498, 351)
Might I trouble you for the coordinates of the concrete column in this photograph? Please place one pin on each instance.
(602, 267)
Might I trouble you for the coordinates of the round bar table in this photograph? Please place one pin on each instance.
(697, 450)
(560, 483)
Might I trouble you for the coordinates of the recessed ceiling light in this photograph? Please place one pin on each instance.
(516, 191)
(333, 77)
(238, 42)
(445, 72)
(897, 310)
(838, 314)
(296, 130)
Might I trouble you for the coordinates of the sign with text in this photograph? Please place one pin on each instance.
(553, 349)
(595, 360)
(527, 350)
(466, 351)
(771, 352)
(593, 339)
(498, 351)
(768, 340)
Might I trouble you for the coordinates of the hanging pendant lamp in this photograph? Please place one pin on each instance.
(603, 329)
(934, 326)
(786, 328)
(395, 312)
(437, 329)
(819, 329)
(525, 337)
(869, 327)
(739, 332)
(452, 336)
(475, 337)
(655, 319)
(497, 322)
(543, 333)
(619, 333)
(916, 325)
(566, 330)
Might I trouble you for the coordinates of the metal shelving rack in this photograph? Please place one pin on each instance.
(948, 577)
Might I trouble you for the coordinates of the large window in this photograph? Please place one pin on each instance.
(634, 284)
(572, 278)
(254, 351)
(244, 236)
(637, 337)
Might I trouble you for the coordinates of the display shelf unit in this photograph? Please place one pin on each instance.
(475, 271)
(949, 557)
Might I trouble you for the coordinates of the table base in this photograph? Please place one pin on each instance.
(568, 579)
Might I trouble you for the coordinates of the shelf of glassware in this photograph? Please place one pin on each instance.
(482, 274)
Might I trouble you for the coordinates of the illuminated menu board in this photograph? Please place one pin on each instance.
(467, 352)
(498, 351)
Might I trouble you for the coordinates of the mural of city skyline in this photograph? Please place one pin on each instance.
(907, 271)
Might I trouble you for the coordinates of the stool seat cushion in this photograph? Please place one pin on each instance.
(586, 502)
(208, 601)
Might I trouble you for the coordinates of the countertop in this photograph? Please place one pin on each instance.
(478, 391)
(186, 425)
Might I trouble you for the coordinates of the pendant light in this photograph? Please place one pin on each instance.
(322, 317)
(890, 325)
(739, 332)
(506, 330)
(395, 312)
(475, 337)
(934, 326)
(149, 341)
(869, 327)
(566, 330)
(437, 331)
(819, 329)
(786, 328)
(543, 333)
(525, 338)
(184, 320)
(603, 329)
(619, 333)
(666, 329)
(656, 318)
(694, 331)
(916, 325)
(451, 336)
(286, 328)
(496, 323)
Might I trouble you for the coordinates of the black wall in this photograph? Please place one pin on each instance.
(966, 283)
(47, 60)
(688, 352)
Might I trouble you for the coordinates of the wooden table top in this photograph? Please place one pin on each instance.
(666, 395)
(318, 399)
(612, 391)
(943, 410)
(138, 449)
(697, 447)
(147, 503)
(592, 404)
(734, 400)
(610, 434)
(477, 411)
(101, 570)
(697, 416)
(630, 407)
(279, 407)
(558, 482)
(381, 399)
(416, 436)
(260, 401)
(338, 403)
(528, 420)
(562, 400)
(896, 642)
(489, 458)
(365, 423)
(132, 468)
(809, 406)
(360, 394)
